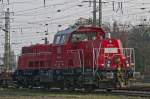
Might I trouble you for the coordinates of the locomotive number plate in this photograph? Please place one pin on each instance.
(111, 50)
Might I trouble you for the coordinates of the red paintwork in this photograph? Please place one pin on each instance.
(71, 55)
(104, 57)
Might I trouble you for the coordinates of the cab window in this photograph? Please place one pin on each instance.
(77, 37)
(60, 39)
(57, 39)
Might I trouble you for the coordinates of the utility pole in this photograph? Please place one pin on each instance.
(100, 13)
(7, 41)
(94, 12)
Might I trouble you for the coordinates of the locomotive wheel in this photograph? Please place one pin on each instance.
(108, 90)
(71, 89)
(30, 87)
(89, 88)
(62, 88)
(68, 86)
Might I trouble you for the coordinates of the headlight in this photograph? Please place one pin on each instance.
(110, 41)
(108, 63)
(102, 65)
(127, 63)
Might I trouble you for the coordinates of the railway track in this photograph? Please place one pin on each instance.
(134, 91)
(122, 92)
(131, 93)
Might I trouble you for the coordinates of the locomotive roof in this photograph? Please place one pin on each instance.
(80, 28)
(66, 31)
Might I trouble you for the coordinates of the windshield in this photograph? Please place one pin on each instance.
(60, 39)
(80, 36)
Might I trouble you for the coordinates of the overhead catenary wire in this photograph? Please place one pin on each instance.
(57, 19)
(62, 19)
(54, 11)
(41, 7)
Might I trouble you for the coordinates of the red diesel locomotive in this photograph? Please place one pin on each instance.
(81, 57)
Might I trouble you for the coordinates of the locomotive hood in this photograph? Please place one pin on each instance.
(80, 29)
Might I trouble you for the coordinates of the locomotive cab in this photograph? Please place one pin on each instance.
(83, 37)
(76, 35)
(75, 45)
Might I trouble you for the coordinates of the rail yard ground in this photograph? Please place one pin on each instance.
(9, 93)
(70, 97)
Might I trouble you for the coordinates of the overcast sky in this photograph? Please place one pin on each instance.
(30, 16)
